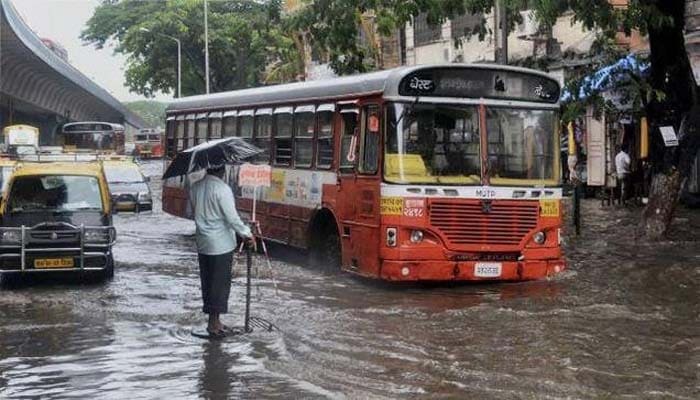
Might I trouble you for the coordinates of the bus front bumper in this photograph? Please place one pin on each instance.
(430, 270)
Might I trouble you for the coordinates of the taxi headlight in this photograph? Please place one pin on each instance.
(96, 236)
(11, 236)
(539, 237)
(416, 236)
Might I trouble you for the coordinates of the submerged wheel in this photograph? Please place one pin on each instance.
(108, 272)
(324, 253)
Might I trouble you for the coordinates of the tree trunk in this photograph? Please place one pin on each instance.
(672, 74)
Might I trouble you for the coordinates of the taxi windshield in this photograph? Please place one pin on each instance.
(429, 143)
(122, 174)
(55, 193)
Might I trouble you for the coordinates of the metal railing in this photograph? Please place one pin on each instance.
(22, 245)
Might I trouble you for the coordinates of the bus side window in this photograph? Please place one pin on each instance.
(282, 120)
(324, 146)
(180, 132)
(348, 141)
(369, 151)
(263, 133)
(304, 127)
(229, 124)
(170, 136)
(189, 131)
(246, 125)
(202, 127)
(215, 125)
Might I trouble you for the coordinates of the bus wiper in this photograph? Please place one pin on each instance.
(405, 110)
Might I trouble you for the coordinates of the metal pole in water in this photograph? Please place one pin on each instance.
(249, 263)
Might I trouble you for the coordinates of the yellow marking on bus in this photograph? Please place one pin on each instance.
(549, 208)
(391, 205)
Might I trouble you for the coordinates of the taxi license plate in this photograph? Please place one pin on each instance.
(53, 263)
(487, 270)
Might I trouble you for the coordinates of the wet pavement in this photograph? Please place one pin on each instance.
(622, 322)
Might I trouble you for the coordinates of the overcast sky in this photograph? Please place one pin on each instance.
(62, 21)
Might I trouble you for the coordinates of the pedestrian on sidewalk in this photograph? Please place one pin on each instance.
(217, 223)
(622, 167)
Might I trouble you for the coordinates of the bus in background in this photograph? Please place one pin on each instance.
(20, 139)
(101, 137)
(148, 143)
(425, 173)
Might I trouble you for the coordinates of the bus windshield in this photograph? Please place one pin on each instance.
(90, 141)
(440, 144)
(523, 146)
(427, 143)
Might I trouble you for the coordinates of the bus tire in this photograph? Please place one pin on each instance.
(324, 253)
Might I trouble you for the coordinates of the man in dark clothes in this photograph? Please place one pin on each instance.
(217, 222)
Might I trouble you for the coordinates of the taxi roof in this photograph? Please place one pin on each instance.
(121, 163)
(59, 168)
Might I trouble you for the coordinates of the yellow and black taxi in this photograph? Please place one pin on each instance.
(57, 217)
(128, 186)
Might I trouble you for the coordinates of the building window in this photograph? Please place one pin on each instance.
(263, 134)
(324, 147)
(424, 33)
(303, 138)
(282, 120)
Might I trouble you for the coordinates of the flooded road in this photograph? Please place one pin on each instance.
(622, 322)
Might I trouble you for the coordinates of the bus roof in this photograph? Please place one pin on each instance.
(382, 82)
(91, 126)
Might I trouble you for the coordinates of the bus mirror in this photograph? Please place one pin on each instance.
(147, 178)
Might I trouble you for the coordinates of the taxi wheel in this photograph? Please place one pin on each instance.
(108, 273)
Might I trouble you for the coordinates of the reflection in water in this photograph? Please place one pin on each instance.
(621, 322)
(216, 380)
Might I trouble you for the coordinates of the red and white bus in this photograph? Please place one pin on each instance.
(148, 143)
(435, 173)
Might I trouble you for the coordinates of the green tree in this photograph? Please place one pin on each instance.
(670, 94)
(239, 33)
(153, 112)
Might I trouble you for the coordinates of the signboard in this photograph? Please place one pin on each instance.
(478, 83)
(22, 135)
(255, 175)
(669, 135)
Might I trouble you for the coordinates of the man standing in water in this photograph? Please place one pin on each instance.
(217, 223)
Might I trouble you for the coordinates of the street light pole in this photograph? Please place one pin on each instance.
(206, 44)
(179, 58)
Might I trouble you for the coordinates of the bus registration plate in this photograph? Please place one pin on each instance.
(53, 263)
(487, 269)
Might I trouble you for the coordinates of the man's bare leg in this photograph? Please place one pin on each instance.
(215, 325)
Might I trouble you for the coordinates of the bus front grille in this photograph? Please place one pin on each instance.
(471, 222)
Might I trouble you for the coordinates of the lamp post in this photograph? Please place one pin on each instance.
(179, 58)
(206, 44)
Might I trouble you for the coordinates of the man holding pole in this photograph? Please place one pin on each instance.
(217, 223)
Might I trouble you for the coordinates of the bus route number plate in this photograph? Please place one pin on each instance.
(487, 269)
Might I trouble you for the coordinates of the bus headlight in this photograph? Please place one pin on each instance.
(391, 237)
(11, 236)
(539, 237)
(416, 236)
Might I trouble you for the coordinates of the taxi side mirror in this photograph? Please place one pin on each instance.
(147, 178)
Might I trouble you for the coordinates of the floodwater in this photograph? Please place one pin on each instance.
(622, 322)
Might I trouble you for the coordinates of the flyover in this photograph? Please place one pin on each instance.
(37, 87)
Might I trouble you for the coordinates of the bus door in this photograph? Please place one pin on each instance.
(358, 192)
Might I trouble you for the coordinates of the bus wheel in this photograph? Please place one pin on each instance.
(108, 272)
(324, 253)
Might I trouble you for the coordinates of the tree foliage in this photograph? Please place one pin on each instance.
(153, 112)
(239, 34)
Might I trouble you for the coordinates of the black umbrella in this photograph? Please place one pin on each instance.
(213, 154)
